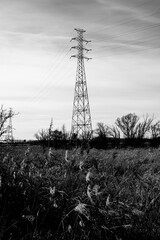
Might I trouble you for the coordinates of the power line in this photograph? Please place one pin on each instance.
(132, 44)
(46, 83)
(133, 32)
(134, 51)
(50, 78)
(54, 64)
(60, 78)
(122, 22)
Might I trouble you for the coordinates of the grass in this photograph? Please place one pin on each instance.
(111, 194)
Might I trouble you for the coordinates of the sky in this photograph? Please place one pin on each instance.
(37, 75)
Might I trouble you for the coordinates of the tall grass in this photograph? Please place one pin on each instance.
(112, 194)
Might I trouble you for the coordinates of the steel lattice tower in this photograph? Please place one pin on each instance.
(81, 117)
(9, 135)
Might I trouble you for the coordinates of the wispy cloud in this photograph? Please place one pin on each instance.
(123, 75)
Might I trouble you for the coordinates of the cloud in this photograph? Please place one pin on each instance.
(38, 78)
(32, 42)
(42, 23)
(129, 26)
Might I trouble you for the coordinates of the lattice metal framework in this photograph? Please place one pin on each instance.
(81, 117)
(9, 133)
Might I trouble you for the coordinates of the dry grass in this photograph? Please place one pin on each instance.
(112, 194)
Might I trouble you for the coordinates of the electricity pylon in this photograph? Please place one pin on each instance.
(9, 134)
(81, 117)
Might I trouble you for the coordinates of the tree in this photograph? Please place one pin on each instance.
(4, 116)
(45, 134)
(155, 130)
(42, 135)
(50, 137)
(132, 128)
(101, 130)
(101, 140)
(65, 134)
(113, 132)
(143, 127)
(127, 124)
(58, 138)
(57, 135)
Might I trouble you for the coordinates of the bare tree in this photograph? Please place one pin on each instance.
(132, 128)
(4, 116)
(101, 130)
(51, 135)
(127, 124)
(143, 127)
(65, 134)
(113, 132)
(155, 130)
(42, 135)
(45, 134)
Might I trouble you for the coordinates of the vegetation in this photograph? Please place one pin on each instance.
(58, 194)
(82, 193)
(129, 130)
(130, 127)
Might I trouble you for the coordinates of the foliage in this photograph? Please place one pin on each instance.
(113, 194)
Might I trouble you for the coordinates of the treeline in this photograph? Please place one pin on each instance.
(128, 130)
(95, 142)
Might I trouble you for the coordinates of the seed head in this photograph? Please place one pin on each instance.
(89, 175)
(90, 193)
(30, 218)
(80, 165)
(108, 201)
(81, 208)
(66, 156)
(69, 228)
(52, 190)
(95, 189)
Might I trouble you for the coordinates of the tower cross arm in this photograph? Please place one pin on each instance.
(75, 38)
(87, 58)
(74, 56)
(80, 56)
(75, 47)
(82, 48)
(80, 30)
(86, 49)
(82, 40)
(86, 41)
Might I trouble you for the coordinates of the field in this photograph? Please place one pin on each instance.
(99, 194)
